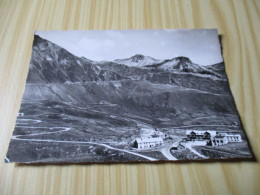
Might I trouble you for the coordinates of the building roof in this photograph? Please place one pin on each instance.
(233, 135)
(200, 132)
(149, 139)
(223, 134)
(219, 136)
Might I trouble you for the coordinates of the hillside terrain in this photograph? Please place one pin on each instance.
(110, 102)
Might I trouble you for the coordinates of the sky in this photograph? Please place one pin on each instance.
(200, 45)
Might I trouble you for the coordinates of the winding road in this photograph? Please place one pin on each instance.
(25, 119)
(81, 142)
(45, 133)
(166, 151)
(189, 146)
(147, 130)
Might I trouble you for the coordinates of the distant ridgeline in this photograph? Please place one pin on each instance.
(52, 64)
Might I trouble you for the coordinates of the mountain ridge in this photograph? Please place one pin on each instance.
(63, 65)
(138, 60)
(51, 63)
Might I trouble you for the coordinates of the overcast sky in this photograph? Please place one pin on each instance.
(200, 45)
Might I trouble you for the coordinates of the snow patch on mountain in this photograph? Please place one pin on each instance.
(138, 60)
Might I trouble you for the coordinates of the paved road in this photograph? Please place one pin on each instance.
(22, 121)
(190, 144)
(32, 134)
(147, 130)
(166, 151)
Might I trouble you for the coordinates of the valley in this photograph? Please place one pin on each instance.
(78, 110)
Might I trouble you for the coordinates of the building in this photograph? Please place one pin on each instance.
(195, 135)
(158, 134)
(20, 114)
(219, 140)
(232, 137)
(148, 142)
(224, 138)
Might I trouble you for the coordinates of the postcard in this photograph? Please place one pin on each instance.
(127, 96)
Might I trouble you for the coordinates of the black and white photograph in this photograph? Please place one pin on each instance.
(127, 96)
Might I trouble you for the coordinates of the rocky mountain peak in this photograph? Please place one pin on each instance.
(137, 58)
(183, 59)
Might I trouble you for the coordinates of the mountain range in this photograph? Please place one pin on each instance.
(58, 65)
(139, 82)
(178, 64)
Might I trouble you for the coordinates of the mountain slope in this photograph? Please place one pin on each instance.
(57, 75)
(204, 82)
(134, 96)
(219, 68)
(52, 64)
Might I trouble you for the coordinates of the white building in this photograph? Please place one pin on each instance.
(232, 137)
(219, 140)
(224, 138)
(143, 143)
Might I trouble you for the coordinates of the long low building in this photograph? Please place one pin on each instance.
(148, 142)
(224, 138)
